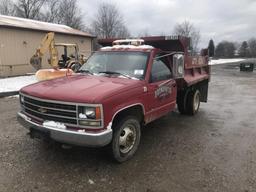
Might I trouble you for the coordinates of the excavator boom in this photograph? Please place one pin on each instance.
(65, 66)
(47, 43)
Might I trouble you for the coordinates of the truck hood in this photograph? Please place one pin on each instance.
(80, 88)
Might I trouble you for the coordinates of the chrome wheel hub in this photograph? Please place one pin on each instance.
(196, 102)
(127, 139)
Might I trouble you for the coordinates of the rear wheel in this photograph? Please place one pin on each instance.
(126, 139)
(193, 102)
(75, 66)
(181, 102)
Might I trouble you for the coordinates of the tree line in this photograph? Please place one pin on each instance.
(108, 21)
(64, 12)
(228, 49)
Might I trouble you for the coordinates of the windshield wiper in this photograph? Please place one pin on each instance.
(116, 73)
(85, 71)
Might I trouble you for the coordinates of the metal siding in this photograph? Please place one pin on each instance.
(17, 46)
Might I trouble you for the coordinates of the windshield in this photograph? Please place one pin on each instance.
(131, 64)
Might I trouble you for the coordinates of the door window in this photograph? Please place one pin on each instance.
(160, 71)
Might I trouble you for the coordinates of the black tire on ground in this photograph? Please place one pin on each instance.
(126, 138)
(193, 102)
(181, 102)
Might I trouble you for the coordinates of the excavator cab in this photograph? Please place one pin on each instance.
(69, 57)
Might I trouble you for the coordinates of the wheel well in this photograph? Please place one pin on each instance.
(201, 86)
(136, 111)
(203, 89)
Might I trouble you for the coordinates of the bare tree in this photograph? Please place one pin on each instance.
(187, 29)
(64, 12)
(244, 50)
(29, 8)
(123, 32)
(7, 7)
(50, 12)
(70, 14)
(144, 33)
(109, 22)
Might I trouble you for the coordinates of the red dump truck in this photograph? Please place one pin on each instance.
(121, 88)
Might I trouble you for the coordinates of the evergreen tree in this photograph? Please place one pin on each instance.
(244, 50)
(252, 47)
(225, 49)
(211, 48)
(230, 49)
(219, 52)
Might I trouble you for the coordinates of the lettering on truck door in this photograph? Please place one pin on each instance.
(161, 89)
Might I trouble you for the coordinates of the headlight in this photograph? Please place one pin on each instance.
(89, 113)
(89, 116)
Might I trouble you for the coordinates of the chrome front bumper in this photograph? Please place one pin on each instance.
(67, 136)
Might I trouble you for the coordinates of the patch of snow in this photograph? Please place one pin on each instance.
(81, 131)
(82, 116)
(128, 40)
(16, 83)
(135, 42)
(109, 125)
(14, 96)
(128, 47)
(91, 182)
(224, 61)
(54, 124)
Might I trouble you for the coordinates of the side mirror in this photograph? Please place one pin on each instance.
(178, 66)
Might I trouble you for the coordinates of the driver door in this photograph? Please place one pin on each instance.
(162, 90)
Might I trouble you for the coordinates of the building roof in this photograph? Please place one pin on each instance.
(16, 22)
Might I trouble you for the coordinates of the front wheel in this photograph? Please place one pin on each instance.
(126, 139)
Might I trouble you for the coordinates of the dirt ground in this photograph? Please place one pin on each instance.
(212, 151)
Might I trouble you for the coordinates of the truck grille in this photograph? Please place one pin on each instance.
(50, 110)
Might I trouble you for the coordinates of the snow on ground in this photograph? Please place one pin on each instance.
(16, 83)
(224, 61)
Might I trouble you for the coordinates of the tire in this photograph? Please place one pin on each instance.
(193, 102)
(75, 67)
(126, 139)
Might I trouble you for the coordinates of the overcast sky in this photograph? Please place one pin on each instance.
(233, 20)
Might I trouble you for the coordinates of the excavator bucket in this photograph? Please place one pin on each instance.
(47, 74)
(36, 62)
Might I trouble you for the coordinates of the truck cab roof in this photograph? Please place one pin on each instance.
(165, 43)
(144, 48)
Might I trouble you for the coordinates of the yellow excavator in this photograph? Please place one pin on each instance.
(66, 65)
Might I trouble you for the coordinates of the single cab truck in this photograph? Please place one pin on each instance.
(122, 87)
